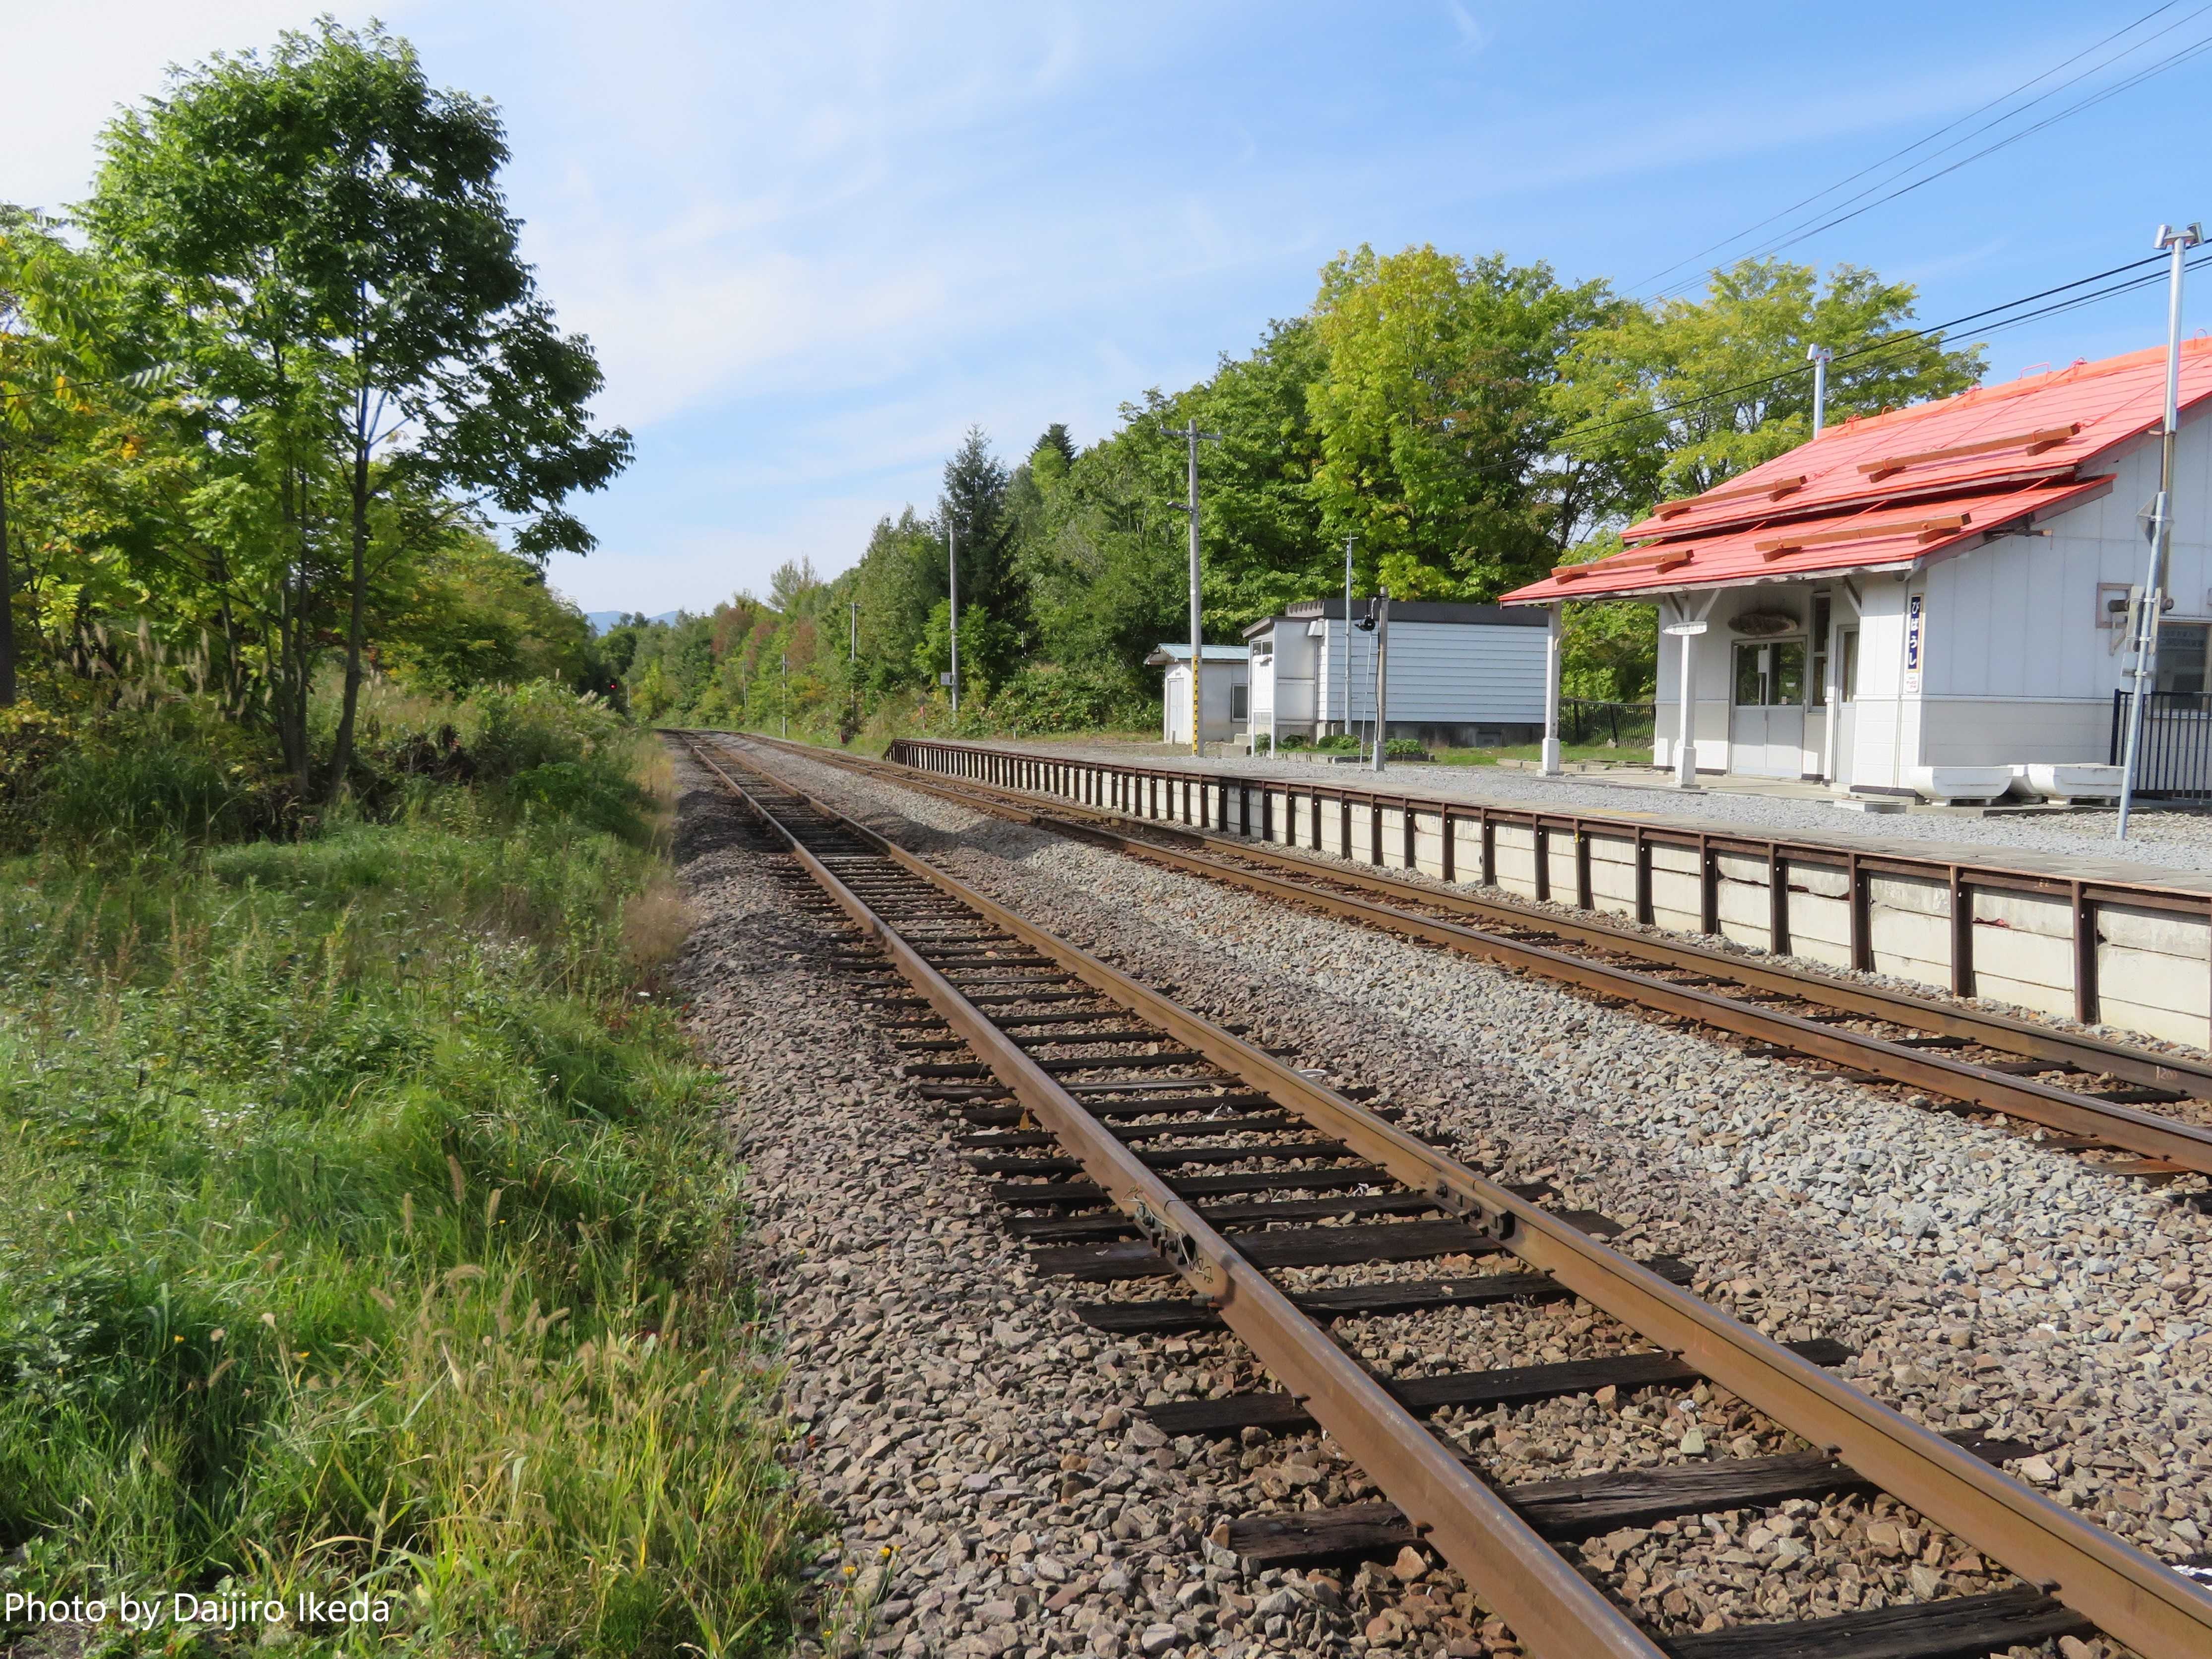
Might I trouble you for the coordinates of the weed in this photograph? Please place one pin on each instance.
(367, 1234)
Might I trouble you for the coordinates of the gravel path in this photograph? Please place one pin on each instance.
(956, 1412)
(2158, 841)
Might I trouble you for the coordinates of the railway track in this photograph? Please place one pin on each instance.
(1137, 1146)
(2132, 1111)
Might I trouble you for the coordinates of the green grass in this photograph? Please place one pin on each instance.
(1631, 752)
(366, 1232)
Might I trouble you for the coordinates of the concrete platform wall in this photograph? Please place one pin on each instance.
(2138, 961)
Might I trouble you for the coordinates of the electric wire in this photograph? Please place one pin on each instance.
(2174, 60)
(1888, 342)
(1897, 154)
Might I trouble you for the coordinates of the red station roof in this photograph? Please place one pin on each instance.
(1897, 489)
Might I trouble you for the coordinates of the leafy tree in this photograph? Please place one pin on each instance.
(900, 577)
(1671, 399)
(334, 228)
(1435, 419)
(76, 444)
(479, 616)
(1105, 559)
(794, 587)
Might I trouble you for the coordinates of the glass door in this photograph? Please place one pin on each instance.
(1766, 732)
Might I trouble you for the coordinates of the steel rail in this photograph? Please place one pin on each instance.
(2186, 1145)
(1549, 1605)
(1876, 1002)
(2126, 1594)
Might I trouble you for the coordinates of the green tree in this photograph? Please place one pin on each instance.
(976, 509)
(1435, 417)
(1056, 441)
(795, 587)
(900, 577)
(1671, 399)
(84, 454)
(476, 614)
(1104, 559)
(335, 226)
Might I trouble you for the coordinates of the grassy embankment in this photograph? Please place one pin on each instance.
(366, 1230)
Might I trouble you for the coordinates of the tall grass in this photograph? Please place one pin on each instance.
(365, 1232)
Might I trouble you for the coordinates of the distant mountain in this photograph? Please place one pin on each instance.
(601, 621)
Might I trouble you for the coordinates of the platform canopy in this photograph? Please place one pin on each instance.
(1897, 490)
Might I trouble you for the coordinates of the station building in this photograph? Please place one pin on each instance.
(1936, 599)
(1459, 673)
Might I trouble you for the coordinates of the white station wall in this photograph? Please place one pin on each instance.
(2018, 669)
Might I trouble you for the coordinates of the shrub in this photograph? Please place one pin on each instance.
(509, 729)
(538, 751)
(1404, 749)
(176, 772)
(1044, 697)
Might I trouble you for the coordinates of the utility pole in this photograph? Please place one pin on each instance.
(1820, 356)
(1380, 624)
(2162, 524)
(1192, 436)
(1348, 637)
(787, 695)
(952, 616)
(853, 659)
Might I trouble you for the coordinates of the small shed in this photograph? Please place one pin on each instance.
(1459, 673)
(1226, 686)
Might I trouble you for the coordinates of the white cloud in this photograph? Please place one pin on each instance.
(812, 243)
(73, 63)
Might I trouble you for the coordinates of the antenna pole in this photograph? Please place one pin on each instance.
(2161, 525)
(1193, 437)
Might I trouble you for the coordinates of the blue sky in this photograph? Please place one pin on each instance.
(814, 243)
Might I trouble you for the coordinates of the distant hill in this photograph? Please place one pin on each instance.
(601, 621)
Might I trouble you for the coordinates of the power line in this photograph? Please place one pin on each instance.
(1898, 154)
(2172, 60)
(1900, 336)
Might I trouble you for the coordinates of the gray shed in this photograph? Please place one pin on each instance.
(1459, 673)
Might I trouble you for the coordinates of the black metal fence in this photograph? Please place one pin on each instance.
(1586, 720)
(2176, 759)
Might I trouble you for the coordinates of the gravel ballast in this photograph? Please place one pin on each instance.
(950, 1400)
